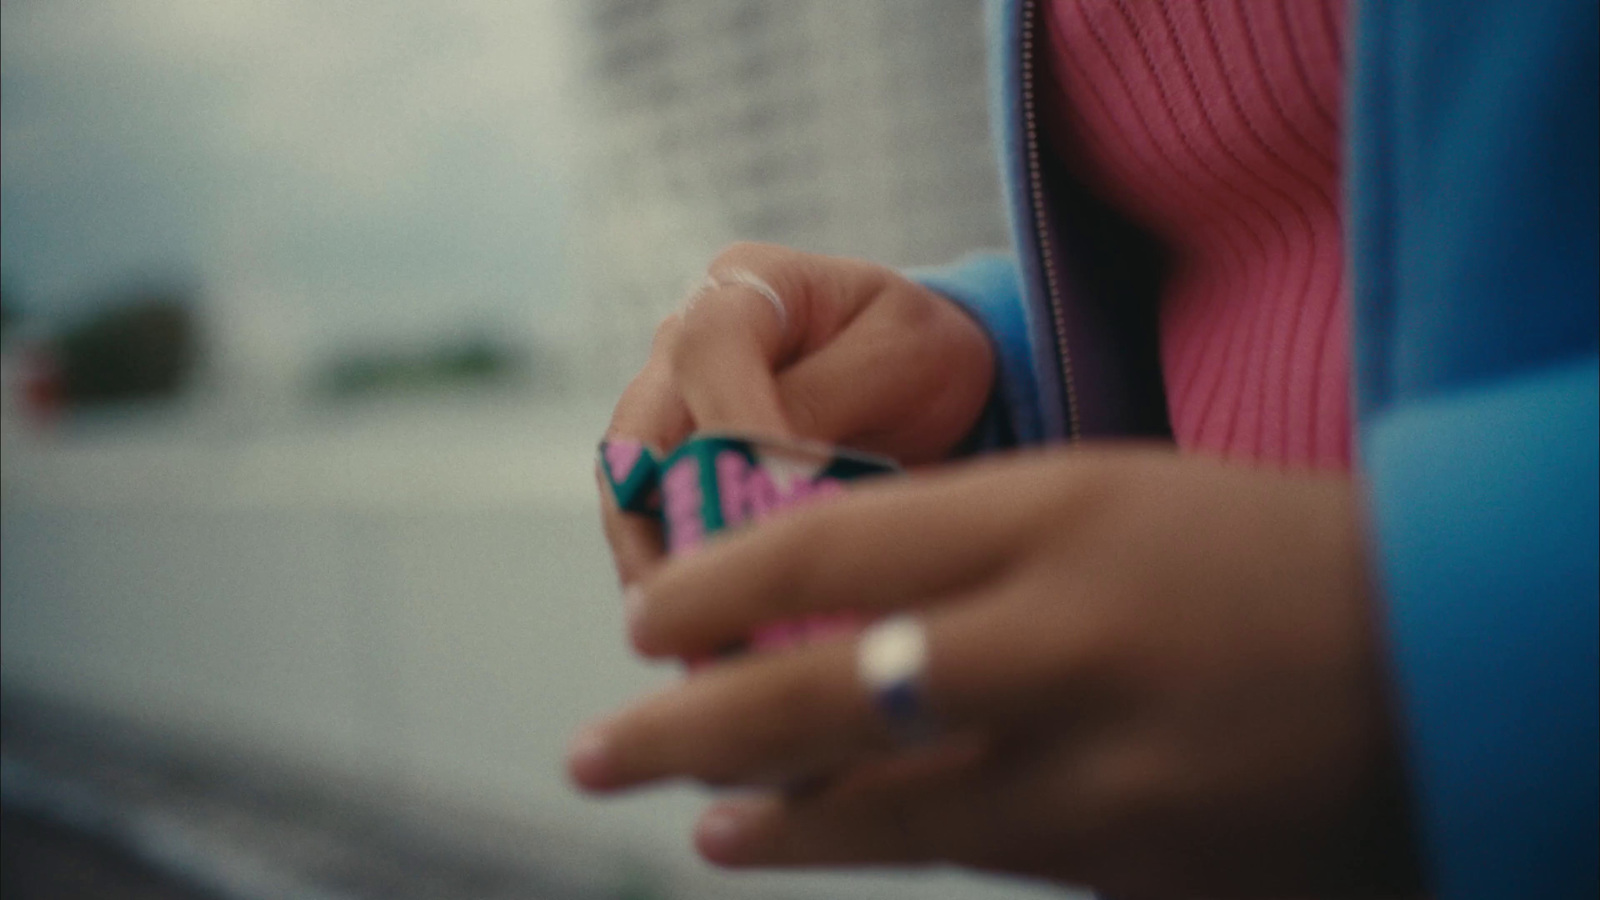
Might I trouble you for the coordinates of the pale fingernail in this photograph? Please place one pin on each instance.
(726, 830)
(588, 757)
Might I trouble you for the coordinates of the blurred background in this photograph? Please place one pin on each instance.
(312, 314)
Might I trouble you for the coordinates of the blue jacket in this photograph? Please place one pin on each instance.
(1472, 153)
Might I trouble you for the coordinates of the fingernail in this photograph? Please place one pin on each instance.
(721, 832)
(587, 757)
(724, 833)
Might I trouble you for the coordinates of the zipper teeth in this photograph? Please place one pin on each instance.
(1040, 231)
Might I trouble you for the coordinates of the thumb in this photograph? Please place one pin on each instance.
(762, 307)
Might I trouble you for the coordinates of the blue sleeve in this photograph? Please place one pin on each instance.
(1484, 509)
(987, 287)
(1474, 168)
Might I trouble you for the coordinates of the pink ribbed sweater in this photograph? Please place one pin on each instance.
(1216, 125)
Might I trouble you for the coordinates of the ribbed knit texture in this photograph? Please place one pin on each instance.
(1216, 124)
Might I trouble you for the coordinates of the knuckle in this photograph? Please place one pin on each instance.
(910, 309)
(964, 376)
(956, 336)
(964, 341)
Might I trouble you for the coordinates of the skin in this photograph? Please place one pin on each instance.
(869, 360)
(1154, 674)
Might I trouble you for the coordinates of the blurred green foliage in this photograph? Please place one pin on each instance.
(143, 345)
(475, 361)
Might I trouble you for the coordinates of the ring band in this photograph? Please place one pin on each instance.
(892, 662)
(741, 278)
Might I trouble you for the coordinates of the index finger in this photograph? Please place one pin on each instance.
(773, 718)
(885, 546)
(651, 412)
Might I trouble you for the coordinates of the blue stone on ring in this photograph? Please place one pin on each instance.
(892, 660)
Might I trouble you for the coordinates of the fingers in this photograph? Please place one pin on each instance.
(768, 307)
(758, 720)
(724, 359)
(650, 411)
(790, 344)
(885, 546)
(712, 366)
(636, 543)
(737, 330)
(776, 718)
(945, 805)
(651, 408)
(906, 377)
(886, 824)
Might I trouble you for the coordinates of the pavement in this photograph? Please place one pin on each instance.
(44, 860)
(91, 812)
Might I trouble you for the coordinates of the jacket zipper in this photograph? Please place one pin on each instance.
(1041, 228)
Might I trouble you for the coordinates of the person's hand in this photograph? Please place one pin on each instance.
(1154, 674)
(858, 356)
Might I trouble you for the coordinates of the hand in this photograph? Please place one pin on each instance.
(865, 358)
(1156, 674)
